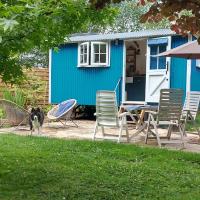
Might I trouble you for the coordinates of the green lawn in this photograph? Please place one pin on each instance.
(41, 168)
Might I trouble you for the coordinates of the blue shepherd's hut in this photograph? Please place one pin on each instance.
(125, 62)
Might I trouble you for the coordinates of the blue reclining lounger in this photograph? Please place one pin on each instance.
(63, 111)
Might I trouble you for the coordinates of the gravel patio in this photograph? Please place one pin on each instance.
(85, 132)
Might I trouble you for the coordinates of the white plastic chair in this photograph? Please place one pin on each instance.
(169, 113)
(190, 110)
(107, 114)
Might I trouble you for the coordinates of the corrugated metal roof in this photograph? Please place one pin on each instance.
(122, 36)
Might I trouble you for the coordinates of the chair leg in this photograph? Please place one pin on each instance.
(2, 123)
(103, 132)
(74, 122)
(169, 132)
(64, 124)
(95, 130)
(151, 118)
(157, 135)
(198, 131)
(71, 120)
(148, 129)
(127, 134)
(182, 135)
(21, 122)
(120, 133)
(124, 122)
(183, 127)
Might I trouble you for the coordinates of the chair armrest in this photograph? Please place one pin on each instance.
(123, 114)
(151, 112)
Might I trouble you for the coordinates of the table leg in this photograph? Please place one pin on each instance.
(140, 125)
(141, 119)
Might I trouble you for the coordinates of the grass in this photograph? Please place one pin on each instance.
(41, 168)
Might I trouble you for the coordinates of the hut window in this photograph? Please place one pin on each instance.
(155, 61)
(198, 63)
(99, 53)
(93, 54)
(84, 54)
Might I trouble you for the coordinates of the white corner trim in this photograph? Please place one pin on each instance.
(188, 77)
(124, 73)
(168, 60)
(189, 69)
(147, 71)
(50, 67)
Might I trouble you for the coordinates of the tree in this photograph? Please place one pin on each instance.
(184, 15)
(128, 18)
(100, 4)
(39, 24)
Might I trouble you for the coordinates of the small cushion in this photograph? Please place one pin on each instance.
(63, 107)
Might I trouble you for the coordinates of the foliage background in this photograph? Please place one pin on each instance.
(26, 25)
(129, 15)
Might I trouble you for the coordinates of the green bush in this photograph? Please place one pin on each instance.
(190, 125)
(20, 98)
(8, 95)
(17, 96)
(47, 108)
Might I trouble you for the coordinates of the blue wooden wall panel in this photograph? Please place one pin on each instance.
(178, 71)
(69, 81)
(195, 77)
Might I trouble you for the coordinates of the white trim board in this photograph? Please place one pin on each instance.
(50, 67)
(124, 73)
(168, 60)
(189, 69)
(147, 68)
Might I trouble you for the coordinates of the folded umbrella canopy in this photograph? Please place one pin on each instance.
(189, 50)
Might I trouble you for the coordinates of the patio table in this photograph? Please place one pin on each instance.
(140, 125)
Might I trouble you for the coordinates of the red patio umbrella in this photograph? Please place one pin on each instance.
(189, 50)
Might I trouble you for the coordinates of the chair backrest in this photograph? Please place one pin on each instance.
(170, 105)
(62, 110)
(191, 103)
(106, 108)
(15, 114)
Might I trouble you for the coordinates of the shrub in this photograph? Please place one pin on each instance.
(16, 95)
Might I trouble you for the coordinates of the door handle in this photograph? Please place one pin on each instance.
(167, 67)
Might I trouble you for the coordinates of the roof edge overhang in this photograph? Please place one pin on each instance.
(120, 36)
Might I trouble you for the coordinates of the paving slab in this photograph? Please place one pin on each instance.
(85, 131)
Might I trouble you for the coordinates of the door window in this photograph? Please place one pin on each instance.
(157, 62)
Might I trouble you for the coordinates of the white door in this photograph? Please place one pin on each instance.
(157, 68)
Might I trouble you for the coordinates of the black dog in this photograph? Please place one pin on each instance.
(36, 119)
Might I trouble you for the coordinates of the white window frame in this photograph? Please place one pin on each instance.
(92, 54)
(198, 63)
(157, 58)
(79, 54)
